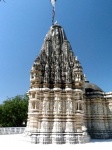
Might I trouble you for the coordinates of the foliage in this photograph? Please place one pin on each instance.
(0, 114)
(13, 112)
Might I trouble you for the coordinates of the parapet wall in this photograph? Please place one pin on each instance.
(12, 130)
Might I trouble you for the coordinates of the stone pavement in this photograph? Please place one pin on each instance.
(17, 142)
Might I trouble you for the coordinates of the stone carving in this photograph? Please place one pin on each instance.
(55, 106)
(69, 126)
(60, 106)
(66, 106)
(69, 106)
(54, 70)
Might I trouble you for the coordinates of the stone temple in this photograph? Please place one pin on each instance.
(63, 106)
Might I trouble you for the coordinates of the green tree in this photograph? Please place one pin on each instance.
(0, 114)
(13, 112)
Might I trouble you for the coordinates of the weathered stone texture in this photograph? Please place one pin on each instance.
(99, 116)
(61, 109)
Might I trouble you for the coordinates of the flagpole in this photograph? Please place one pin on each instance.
(53, 10)
(53, 15)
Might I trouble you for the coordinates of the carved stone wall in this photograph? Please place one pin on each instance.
(63, 107)
(99, 114)
(56, 95)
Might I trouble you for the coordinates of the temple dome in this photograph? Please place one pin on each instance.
(90, 87)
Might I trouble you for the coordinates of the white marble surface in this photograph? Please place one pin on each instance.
(16, 142)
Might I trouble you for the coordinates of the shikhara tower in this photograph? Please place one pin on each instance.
(56, 111)
(63, 106)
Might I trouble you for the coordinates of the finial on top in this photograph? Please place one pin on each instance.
(56, 22)
(53, 2)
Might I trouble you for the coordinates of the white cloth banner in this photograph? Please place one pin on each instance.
(53, 2)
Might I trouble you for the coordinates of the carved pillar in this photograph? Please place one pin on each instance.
(70, 118)
(45, 112)
(33, 114)
(58, 111)
(57, 136)
(45, 121)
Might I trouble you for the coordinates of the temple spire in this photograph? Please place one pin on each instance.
(53, 2)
